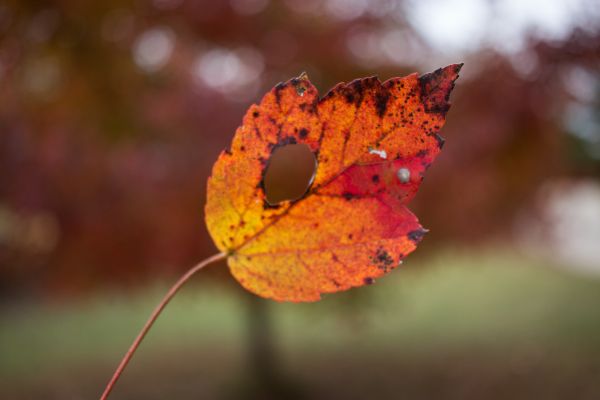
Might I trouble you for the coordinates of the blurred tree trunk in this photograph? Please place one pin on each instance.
(262, 357)
(263, 378)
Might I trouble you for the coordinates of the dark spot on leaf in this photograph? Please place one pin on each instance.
(381, 100)
(228, 152)
(359, 86)
(278, 88)
(348, 195)
(422, 153)
(242, 148)
(255, 114)
(375, 178)
(349, 97)
(303, 132)
(350, 236)
(384, 258)
(369, 281)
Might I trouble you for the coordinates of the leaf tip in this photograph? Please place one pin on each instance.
(301, 83)
(417, 235)
(436, 87)
(303, 76)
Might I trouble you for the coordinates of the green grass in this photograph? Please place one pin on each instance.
(493, 302)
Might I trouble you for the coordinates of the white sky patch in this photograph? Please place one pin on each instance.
(569, 230)
(457, 24)
(465, 25)
(380, 153)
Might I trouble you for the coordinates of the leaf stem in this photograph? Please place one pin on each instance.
(159, 308)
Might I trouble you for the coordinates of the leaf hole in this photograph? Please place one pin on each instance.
(289, 173)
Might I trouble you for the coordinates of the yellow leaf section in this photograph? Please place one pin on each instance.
(342, 233)
(325, 244)
(236, 207)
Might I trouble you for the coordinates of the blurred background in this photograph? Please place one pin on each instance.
(112, 114)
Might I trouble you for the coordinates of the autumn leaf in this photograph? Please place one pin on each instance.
(372, 143)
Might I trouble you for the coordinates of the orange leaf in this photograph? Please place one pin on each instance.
(372, 142)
